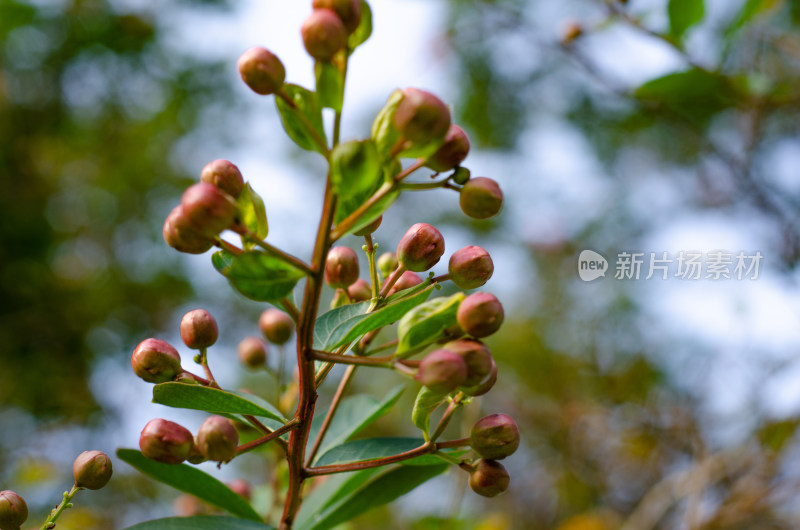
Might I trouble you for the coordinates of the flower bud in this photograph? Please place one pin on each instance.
(225, 176)
(360, 291)
(461, 175)
(421, 117)
(484, 386)
(495, 436)
(262, 71)
(470, 267)
(208, 209)
(489, 479)
(182, 236)
(252, 352)
(92, 470)
(370, 228)
(217, 439)
(571, 32)
(420, 248)
(348, 11)
(476, 356)
(407, 280)
(276, 325)
(13, 510)
(323, 34)
(452, 152)
(481, 198)
(241, 487)
(155, 361)
(341, 267)
(199, 329)
(387, 263)
(480, 314)
(195, 456)
(186, 505)
(165, 441)
(442, 371)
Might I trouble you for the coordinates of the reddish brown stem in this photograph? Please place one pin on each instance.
(309, 127)
(224, 245)
(447, 416)
(385, 362)
(268, 438)
(337, 398)
(391, 280)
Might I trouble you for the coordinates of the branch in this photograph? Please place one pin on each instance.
(269, 437)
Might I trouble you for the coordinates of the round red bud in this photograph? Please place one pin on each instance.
(92, 470)
(13, 510)
(155, 361)
(224, 175)
(217, 439)
(348, 11)
(165, 441)
(489, 478)
(323, 34)
(452, 152)
(252, 352)
(208, 209)
(480, 314)
(481, 198)
(442, 371)
(276, 325)
(182, 236)
(407, 280)
(484, 386)
(421, 117)
(495, 436)
(470, 267)
(241, 487)
(476, 356)
(420, 248)
(341, 267)
(199, 329)
(186, 505)
(360, 291)
(262, 71)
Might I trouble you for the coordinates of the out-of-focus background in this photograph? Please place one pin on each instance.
(641, 127)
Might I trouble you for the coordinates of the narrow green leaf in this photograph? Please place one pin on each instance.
(427, 322)
(684, 14)
(695, 94)
(305, 113)
(372, 448)
(364, 29)
(355, 169)
(191, 480)
(213, 400)
(222, 261)
(335, 487)
(252, 212)
(330, 85)
(259, 276)
(327, 323)
(200, 522)
(427, 401)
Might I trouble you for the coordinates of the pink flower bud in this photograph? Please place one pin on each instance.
(323, 34)
(420, 248)
(481, 198)
(442, 371)
(360, 291)
(13, 510)
(480, 314)
(262, 71)
(155, 361)
(489, 479)
(209, 209)
(495, 436)
(452, 152)
(252, 352)
(217, 439)
(276, 325)
(484, 386)
(92, 470)
(165, 441)
(348, 11)
(407, 280)
(421, 117)
(199, 329)
(470, 267)
(241, 487)
(182, 236)
(225, 176)
(476, 356)
(341, 267)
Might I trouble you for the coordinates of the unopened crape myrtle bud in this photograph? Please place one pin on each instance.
(13, 510)
(323, 34)
(92, 470)
(470, 267)
(489, 479)
(217, 439)
(452, 152)
(484, 386)
(241, 487)
(252, 352)
(155, 361)
(461, 175)
(199, 329)
(476, 356)
(348, 11)
(224, 175)
(420, 248)
(421, 117)
(276, 325)
(481, 198)
(262, 71)
(341, 267)
(387, 263)
(182, 236)
(407, 280)
(360, 291)
(495, 436)
(165, 441)
(442, 371)
(480, 314)
(209, 209)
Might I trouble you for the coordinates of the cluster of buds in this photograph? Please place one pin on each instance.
(493, 438)
(170, 443)
(276, 326)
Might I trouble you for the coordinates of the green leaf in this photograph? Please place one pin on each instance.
(213, 400)
(752, 9)
(364, 29)
(259, 276)
(345, 328)
(252, 212)
(695, 94)
(222, 261)
(426, 323)
(684, 14)
(335, 487)
(327, 323)
(305, 113)
(384, 132)
(427, 401)
(191, 480)
(355, 169)
(200, 522)
(330, 85)
(350, 204)
(354, 414)
(372, 448)
(382, 488)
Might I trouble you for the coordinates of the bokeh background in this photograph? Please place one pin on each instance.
(640, 126)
